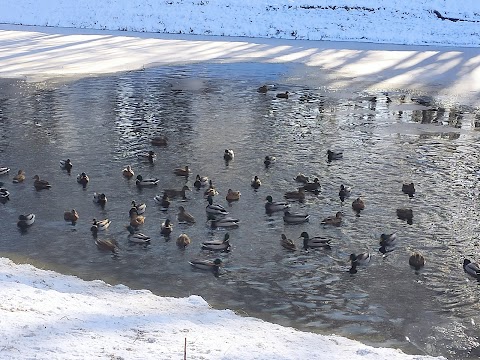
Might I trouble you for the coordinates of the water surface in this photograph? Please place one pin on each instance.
(102, 123)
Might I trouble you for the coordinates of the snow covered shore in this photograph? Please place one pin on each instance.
(46, 315)
(423, 22)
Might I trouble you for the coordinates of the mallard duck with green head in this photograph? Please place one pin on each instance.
(388, 242)
(216, 245)
(228, 155)
(361, 259)
(215, 209)
(274, 206)
(314, 242)
(224, 222)
(210, 265)
(255, 183)
(163, 201)
(141, 182)
(471, 268)
(295, 217)
(66, 165)
(166, 227)
(83, 179)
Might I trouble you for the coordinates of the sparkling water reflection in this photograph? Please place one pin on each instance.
(103, 123)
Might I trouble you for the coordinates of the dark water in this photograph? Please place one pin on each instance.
(102, 123)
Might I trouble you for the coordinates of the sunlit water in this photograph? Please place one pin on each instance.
(103, 123)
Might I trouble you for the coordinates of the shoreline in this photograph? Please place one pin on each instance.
(37, 53)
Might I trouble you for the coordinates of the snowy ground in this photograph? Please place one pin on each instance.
(40, 53)
(45, 315)
(420, 22)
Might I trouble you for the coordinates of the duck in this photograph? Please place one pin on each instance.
(71, 216)
(233, 195)
(215, 209)
(314, 242)
(159, 141)
(99, 225)
(166, 227)
(4, 195)
(471, 268)
(408, 189)
(405, 214)
(218, 245)
(41, 184)
(182, 171)
(184, 217)
(136, 220)
(312, 186)
(149, 156)
(226, 222)
(200, 181)
(295, 218)
(334, 155)
(274, 206)
(269, 160)
(255, 182)
(100, 199)
(128, 172)
(228, 155)
(358, 205)
(4, 170)
(172, 193)
(288, 243)
(140, 208)
(333, 220)
(141, 182)
(66, 165)
(183, 241)
(19, 177)
(263, 89)
(358, 259)
(137, 237)
(83, 179)
(295, 195)
(283, 95)
(163, 201)
(106, 244)
(344, 192)
(301, 178)
(416, 260)
(387, 242)
(211, 191)
(210, 265)
(25, 221)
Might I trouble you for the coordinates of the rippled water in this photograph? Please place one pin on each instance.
(102, 123)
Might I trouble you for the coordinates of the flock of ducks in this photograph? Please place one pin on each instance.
(218, 216)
